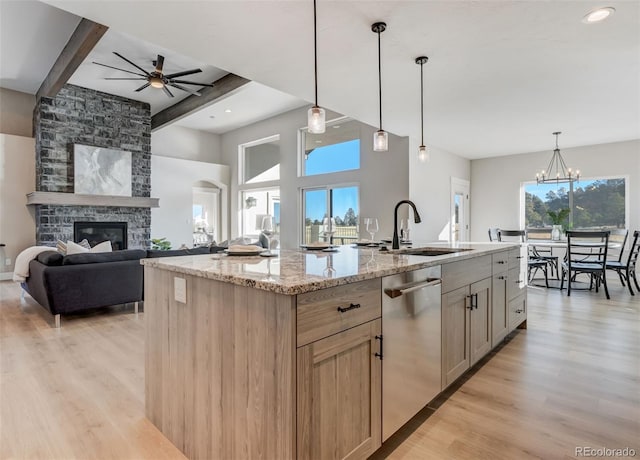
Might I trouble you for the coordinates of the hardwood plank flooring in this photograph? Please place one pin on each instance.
(571, 379)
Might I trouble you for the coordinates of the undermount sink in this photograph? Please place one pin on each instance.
(433, 251)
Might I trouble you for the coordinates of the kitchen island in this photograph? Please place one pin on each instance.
(252, 357)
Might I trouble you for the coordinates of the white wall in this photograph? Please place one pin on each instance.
(172, 181)
(431, 190)
(16, 112)
(496, 182)
(17, 178)
(383, 177)
(189, 144)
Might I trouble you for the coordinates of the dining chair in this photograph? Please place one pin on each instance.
(627, 270)
(533, 265)
(586, 254)
(542, 253)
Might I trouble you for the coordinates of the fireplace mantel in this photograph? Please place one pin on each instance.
(75, 199)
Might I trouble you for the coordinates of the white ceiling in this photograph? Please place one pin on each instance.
(502, 75)
(250, 103)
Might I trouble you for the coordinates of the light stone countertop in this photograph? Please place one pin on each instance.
(297, 271)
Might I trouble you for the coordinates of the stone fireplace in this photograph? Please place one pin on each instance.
(84, 116)
(97, 232)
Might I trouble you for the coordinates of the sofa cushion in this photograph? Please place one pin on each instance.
(115, 256)
(153, 253)
(50, 258)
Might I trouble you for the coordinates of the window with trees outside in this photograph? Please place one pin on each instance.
(599, 203)
(340, 203)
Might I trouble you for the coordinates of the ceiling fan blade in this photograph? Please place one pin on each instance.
(132, 63)
(190, 91)
(132, 78)
(185, 82)
(121, 70)
(143, 86)
(166, 90)
(183, 73)
(159, 63)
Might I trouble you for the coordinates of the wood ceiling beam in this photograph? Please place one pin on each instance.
(220, 88)
(82, 41)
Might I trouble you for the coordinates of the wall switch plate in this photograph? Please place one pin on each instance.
(7, 261)
(180, 289)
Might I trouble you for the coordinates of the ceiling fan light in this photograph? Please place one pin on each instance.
(423, 154)
(380, 141)
(156, 82)
(316, 120)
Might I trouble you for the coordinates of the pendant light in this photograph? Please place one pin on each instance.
(557, 171)
(423, 154)
(380, 137)
(316, 115)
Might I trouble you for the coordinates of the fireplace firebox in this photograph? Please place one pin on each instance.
(97, 232)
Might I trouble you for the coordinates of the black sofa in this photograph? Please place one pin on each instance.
(66, 284)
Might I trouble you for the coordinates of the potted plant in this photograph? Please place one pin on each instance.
(557, 219)
(161, 243)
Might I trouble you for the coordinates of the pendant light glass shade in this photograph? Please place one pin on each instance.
(380, 137)
(316, 116)
(316, 120)
(380, 141)
(423, 154)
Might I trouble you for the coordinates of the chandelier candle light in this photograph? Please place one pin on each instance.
(423, 154)
(316, 115)
(380, 137)
(557, 171)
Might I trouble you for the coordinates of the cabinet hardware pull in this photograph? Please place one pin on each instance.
(475, 300)
(350, 307)
(379, 355)
(519, 311)
(501, 262)
(519, 257)
(502, 277)
(470, 303)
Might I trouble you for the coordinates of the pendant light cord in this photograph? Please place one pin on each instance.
(422, 103)
(380, 80)
(315, 49)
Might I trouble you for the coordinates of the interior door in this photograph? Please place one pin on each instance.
(459, 210)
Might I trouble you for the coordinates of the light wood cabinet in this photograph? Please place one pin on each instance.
(517, 311)
(466, 328)
(499, 300)
(339, 395)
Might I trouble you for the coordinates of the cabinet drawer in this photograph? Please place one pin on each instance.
(517, 311)
(465, 272)
(499, 262)
(318, 315)
(516, 257)
(515, 282)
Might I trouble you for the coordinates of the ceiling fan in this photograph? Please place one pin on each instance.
(156, 78)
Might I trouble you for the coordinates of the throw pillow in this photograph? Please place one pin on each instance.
(105, 246)
(77, 248)
(61, 247)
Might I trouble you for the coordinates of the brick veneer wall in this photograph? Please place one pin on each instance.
(84, 116)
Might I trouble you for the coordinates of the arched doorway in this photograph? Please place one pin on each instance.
(207, 213)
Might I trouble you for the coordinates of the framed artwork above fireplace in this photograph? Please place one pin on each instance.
(101, 171)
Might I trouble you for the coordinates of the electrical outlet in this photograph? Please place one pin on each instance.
(180, 289)
(7, 261)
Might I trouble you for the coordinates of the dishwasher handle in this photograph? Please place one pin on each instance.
(410, 287)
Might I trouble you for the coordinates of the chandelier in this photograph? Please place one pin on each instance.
(557, 170)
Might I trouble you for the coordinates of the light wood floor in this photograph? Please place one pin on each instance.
(571, 379)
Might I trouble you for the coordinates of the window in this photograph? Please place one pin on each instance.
(341, 203)
(260, 161)
(599, 203)
(257, 203)
(337, 149)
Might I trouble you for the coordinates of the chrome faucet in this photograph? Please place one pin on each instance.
(396, 241)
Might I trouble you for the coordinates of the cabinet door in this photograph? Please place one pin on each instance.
(455, 334)
(480, 324)
(499, 319)
(340, 395)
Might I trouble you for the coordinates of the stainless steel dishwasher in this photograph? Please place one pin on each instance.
(411, 331)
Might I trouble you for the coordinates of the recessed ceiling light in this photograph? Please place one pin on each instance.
(598, 15)
(336, 126)
(227, 110)
(318, 142)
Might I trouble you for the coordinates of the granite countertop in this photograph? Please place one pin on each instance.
(297, 271)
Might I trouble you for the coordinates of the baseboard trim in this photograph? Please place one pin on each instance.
(4, 276)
